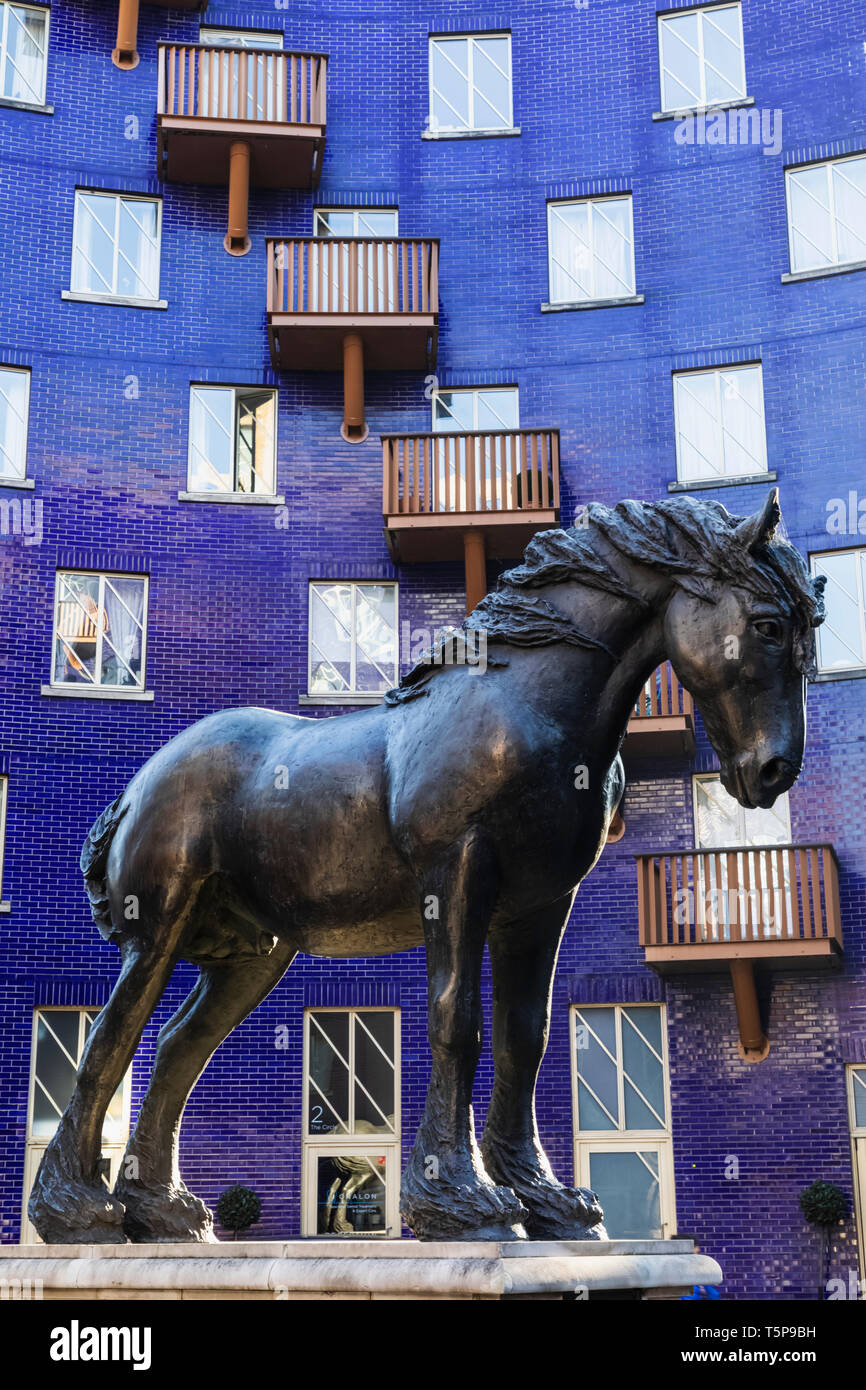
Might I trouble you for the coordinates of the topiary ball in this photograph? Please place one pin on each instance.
(238, 1207)
(823, 1204)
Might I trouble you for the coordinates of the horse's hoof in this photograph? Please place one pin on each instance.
(163, 1214)
(563, 1213)
(473, 1208)
(66, 1211)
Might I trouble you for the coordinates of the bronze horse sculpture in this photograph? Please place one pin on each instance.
(450, 816)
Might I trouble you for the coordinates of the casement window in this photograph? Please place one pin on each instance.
(265, 97)
(59, 1039)
(329, 266)
(116, 240)
(100, 624)
(701, 57)
(721, 822)
(827, 214)
(856, 1079)
(622, 1126)
(240, 38)
(351, 1167)
(4, 799)
(719, 418)
(590, 249)
(14, 412)
(352, 638)
(474, 410)
(760, 902)
(232, 439)
(842, 635)
(23, 53)
(470, 83)
(352, 222)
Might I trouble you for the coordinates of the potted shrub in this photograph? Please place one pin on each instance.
(824, 1205)
(238, 1208)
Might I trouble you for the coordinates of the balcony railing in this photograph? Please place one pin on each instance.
(240, 84)
(662, 721)
(445, 475)
(705, 906)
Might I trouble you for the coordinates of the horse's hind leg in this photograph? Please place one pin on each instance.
(69, 1203)
(159, 1207)
(523, 960)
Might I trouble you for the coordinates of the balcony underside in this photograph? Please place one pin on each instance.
(666, 736)
(424, 538)
(820, 953)
(282, 155)
(314, 342)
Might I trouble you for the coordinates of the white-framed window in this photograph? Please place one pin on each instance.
(622, 1126)
(761, 901)
(590, 244)
(232, 439)
(240, 38)
(474, 409)
(100, 630)
(59, 1039)
(352, 638)
(23, 53)
(470, 82)
(719, 422)
(856, 1079)
(827, 213)
(115, 245)
(842, 635)
(701, 57)
(351, 1166)
(14, 416)
(4, 801)
(355, 222)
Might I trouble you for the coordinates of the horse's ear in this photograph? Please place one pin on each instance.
(760, 529)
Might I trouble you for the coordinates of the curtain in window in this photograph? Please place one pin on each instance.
(611, 249)
(122, 637)
(24, 64)
(13, 424)
(138, 251)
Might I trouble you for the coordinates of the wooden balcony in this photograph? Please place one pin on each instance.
(662, 724)
(711, 909)
(243, 117)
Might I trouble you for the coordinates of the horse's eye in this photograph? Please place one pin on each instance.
(769, 628)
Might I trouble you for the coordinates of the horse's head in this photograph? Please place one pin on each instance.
(744, 649)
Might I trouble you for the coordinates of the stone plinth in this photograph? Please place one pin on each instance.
(358, 1269)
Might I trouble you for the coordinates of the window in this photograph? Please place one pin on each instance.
(353, 638)
(721, 822)
(857, 1120)
(719, 418)
(349, 222)
(622, 1124)
(240, 38)
(842, 635)
(701, 57)
(470, 83)
(23, 53)
(14, 411)
(231, 440)
(351, 1170)
(4, 797)
(265, 83)
(99, 630)
(474, 410)
(115, 250)
(827, 214)
(760, 903)
(59, 1039)
(590, 250)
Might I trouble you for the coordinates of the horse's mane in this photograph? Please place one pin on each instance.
(698, 544)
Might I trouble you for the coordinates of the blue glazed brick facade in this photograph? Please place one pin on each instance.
(227, 621)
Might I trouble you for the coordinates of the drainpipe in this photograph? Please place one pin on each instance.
(754, 1044)
(474, 561)
(236, 242)
(354, 427)
(125, 55)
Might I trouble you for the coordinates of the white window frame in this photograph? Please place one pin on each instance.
(621, 1140)
(357, 213)
(433, 124)
(351, 692)
(856, 1076)
(101, 575)
(702, 104)
(815, 568)
(5, 369)
(4, 31)
(4, 803)
(317, 1146)
(761, 465)
(827, 164)
(241, 38)
(741, 812)
(114, 296)
(198, 388)
(593, 201)
(474, 392)
(35, 1145)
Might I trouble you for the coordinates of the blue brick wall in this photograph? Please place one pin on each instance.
(227, 620)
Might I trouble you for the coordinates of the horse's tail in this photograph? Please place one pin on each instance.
(94, 861)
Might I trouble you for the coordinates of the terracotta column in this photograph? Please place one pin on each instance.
(237, 243)
(753, 1040)
(125, 54)
(475, 565)
(354, 427)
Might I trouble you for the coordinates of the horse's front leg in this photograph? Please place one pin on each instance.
(523, 958)
(446, 1193)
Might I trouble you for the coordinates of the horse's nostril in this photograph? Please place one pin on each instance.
(773, 772)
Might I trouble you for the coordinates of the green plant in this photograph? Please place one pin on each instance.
(238, 1208)
(823, 1204)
